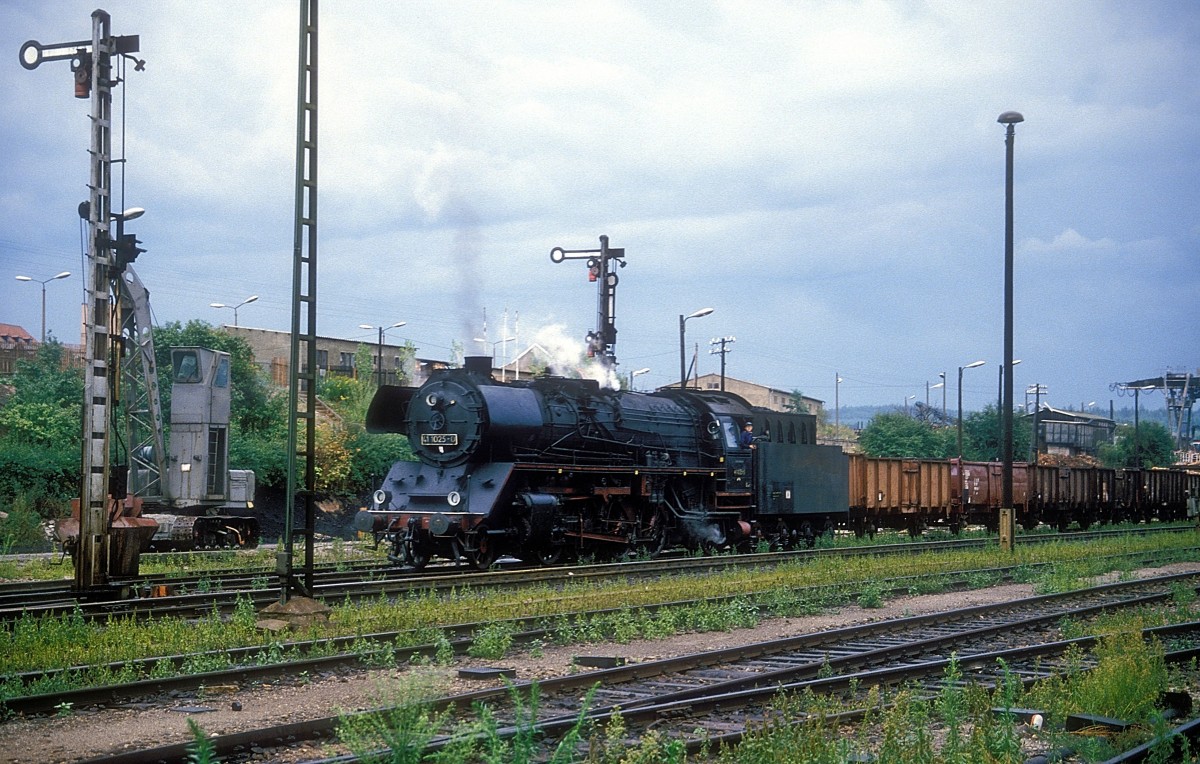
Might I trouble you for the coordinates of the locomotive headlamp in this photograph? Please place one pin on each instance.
(433, 400)
(382, 498)
(454, 498)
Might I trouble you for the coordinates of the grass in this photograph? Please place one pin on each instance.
(954, 723)
(34, 643)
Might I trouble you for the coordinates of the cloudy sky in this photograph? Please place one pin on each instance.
(828, 176)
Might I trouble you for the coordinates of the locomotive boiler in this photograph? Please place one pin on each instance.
(551, 467)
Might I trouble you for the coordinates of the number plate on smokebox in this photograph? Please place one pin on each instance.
(439, 439)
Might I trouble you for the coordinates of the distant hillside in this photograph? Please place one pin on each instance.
(859, 416)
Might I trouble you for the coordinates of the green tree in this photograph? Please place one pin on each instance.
(41, 427)
(895, 434)
(1151, 445)
(981, 436)
(363, 458)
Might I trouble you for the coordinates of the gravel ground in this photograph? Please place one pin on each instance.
(87, 733)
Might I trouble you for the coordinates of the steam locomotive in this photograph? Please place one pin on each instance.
(552, 468)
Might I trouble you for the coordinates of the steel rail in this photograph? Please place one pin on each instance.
(757, 689)
(396, 580)
(352, 650)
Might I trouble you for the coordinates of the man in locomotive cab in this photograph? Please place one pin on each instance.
(746, 438)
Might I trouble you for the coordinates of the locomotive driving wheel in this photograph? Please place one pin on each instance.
(656, 537)
(485, 550)
(416, 554)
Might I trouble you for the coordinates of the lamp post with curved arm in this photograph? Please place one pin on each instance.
(379, 350)
(683, 375)
(635, 374)
(971, 365)
(1008, 119)
(234, 308)
(43, 282)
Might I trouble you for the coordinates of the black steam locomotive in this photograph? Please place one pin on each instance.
(553, 468)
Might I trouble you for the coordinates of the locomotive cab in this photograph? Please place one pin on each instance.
(738, 459)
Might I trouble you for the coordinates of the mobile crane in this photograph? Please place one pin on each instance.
(169, 492)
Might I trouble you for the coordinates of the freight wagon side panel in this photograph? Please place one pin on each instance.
(935, 495)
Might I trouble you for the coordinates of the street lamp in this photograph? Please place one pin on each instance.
(379, 350)
(43, 282)
(505, 342)
(1008, 119)
(907, 398)
(942, 384)
(234, 308)
(635, 374)
(683, 375)
(971, 365)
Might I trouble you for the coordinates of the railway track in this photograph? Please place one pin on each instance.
(199, 594)
(721, 693)
(258, 663)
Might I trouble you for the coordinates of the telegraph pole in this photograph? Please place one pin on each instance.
(721, 348)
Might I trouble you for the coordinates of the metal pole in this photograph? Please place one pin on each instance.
(837, 405)
(722, 365)
(1137, 431)
(960, 437)
(1000, 393)
(1037, 421)
(91, 564)
(379, 360)
(1008, 118)
(682, 353)
(43, 312)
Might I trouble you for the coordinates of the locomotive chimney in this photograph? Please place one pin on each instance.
(478, 364)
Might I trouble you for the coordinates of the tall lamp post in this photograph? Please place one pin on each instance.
(234, 308)
(379, 347)
(1008, 119)
(907, 398)
(971, 365)
(683, 375)
(43, 282)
